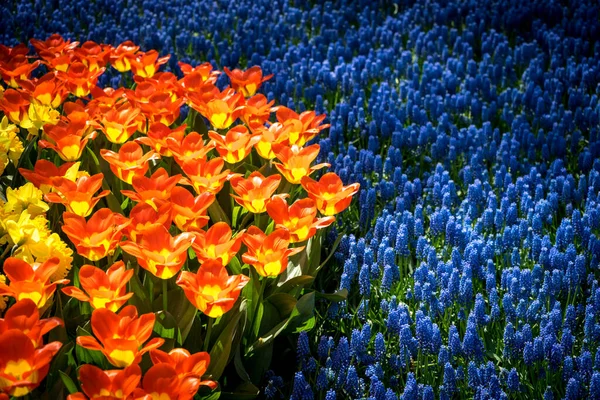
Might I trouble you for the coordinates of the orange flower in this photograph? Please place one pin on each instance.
(206, 176)
(146, 64)
(120, 337)
(48, 90)
(235, 145)
(184, 363)
(25, 316)
(222, 110)
(148, 190)
(212, 290)
(104, 100)
(268, 254)
(67, 139)
(93, 55)
(79, 79)
(30, 281)
(15, 104)
(98, 237)
(78, 197)
(119, 123)
(158, 135)
(216, 244)
(189, 212)
(145, 218)
(295, 161)
(162, 107)
(22, 366)
(300, 219)
(102, 289)
(254, 191)
(129, 162)
(161, 382)
(115, 384)
(303, 127)
(329, 193)
(256, 112)
(198, 92)
(160, 253)
(43, 172)
(204, 70)
(17, 70)
(274, 134)
(121, 56)
(247, 81)
(52, 47)
(189, 150)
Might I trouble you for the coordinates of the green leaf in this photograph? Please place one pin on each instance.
(235, 267)
(297, 281)
(165, 325)
(239, 366)
(205, 393)
(198, 124)
(85, 356)
(338, 296)
(181, 310)
(93, 155)
(139, 298)
(221, 350)
(69, 384)
(331, 252)
(283, 302)
(125, 203)
(217, 214)
(245, 391)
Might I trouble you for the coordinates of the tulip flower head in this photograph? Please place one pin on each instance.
(190, 150)
(111, 385)
(158, 187)
(295, 161)
(207, 176)
(185, 364)
(145, 218)
(129, 162)
(43, 172)
(253, 192)
(248, 81)
(102, 289)
(268, 254)
(212, 290)
(217, 244)
(146, 64)
(25, 317)
(123, 337)
(78, 197)
(162, 382)
(189, 212)
(329, 193)
(235, 145)
(157, 135)
(119, 123)
(300, 219)
(121, 56)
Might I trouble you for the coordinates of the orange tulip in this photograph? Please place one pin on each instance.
(159, 253)
(52, 47)
(198, 92)
(145, 218)
(115, 384)
(17, 70)
(15, 105)
(102, 289)
(121, 56)
(303, 127)
(67, 139)
(247, 81)
(268, 254)
(212, 290)
(129, 162)
(256, 112)
(184, 363)
(104, 100)
(300, 219)
(121, 337)
(295, 161)
(157, 187)
(222, 110)
(48, 91)
(163, 82)
(189, 150)
(158, 135)
(22, 366)
(43, 172)
(274, 134)
(161, 382)
(206, 176)
(98, 237)
(254, 191)
(119, 123)
(216, 244)
(146, 64)
(205, 70)
(24, 316)
(329, 193)
(235, 145)
(30, 281)
(93, 55)
(79, 79)
(189, 212)
(78, 197)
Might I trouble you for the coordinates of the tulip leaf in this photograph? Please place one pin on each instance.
(297, 281)
(198, 124)
(235, 267)
(205, 393)
(139, 298)
(85, 356)
(331, 252)
(283, 302)
(220, 353)
(245, 391)
(68, 382)
(217, 214)
(165, 325)
(239, 366)
(337, 296)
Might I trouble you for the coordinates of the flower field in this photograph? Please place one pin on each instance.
(299, 200)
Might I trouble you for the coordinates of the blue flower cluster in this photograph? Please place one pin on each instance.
(473, 255)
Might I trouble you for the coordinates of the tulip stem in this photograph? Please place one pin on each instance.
(165, 300)
(208, 331)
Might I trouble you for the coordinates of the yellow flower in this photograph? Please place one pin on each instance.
(46, 249)
(39, 115)
(73, 172)
(27, 197)
(11, 146)
(2, 298)
(23, 230)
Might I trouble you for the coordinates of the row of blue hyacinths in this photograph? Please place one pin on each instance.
(472, 257)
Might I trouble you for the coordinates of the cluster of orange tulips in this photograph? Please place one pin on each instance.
(169, 183)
